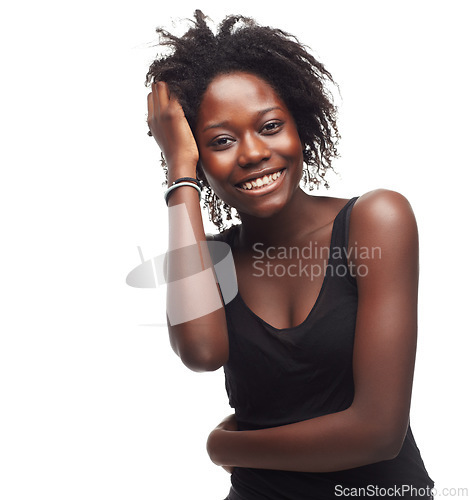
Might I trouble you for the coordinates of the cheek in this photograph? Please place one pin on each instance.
(212, 175)
(216, 167)
(292, 148)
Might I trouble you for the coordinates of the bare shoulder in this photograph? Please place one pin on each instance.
(384, 220)
(382, 210)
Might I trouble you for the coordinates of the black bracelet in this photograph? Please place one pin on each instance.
(188, 179)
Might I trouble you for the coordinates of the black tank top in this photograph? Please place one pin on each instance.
(281, 376)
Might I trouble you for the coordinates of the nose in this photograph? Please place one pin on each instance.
(252, 151)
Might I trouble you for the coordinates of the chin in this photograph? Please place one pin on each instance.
(267, 211)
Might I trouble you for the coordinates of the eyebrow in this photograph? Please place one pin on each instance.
(224, 123)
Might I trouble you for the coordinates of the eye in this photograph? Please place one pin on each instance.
(271, 127)
(221, 142)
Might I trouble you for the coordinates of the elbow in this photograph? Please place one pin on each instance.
(199, 350)
(393, 448)
(388, 444)
(380, 435)
(202, 365)
(203, 362)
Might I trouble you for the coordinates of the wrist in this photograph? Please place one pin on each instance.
(181, 170)
(181, 182)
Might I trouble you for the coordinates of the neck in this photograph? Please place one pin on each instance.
(285, 227)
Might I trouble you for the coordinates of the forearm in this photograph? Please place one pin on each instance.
(196, 319)
(328, 443)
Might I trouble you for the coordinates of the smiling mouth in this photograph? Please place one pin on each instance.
(261, 182)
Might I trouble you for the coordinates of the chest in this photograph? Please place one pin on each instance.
(281, 284)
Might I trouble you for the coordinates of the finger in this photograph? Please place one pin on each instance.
(156, 100)
(150, 112)
(163, 94)
(150, 106)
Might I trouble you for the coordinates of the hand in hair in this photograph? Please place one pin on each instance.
(169, 127)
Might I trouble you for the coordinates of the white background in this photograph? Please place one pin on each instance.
(94, 403)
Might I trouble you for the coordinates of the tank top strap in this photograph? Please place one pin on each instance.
(339, 251)
(342, 222)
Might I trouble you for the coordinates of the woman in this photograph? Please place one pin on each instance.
(318, 346)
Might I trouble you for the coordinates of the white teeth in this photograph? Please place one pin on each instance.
(261, 181)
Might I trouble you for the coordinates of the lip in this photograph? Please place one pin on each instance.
(264, 189)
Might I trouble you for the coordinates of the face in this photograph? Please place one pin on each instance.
(249, 146)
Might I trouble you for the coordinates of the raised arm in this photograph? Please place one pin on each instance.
(372, 429)
(196, 318)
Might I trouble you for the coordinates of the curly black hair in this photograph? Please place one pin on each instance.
(240, 44)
